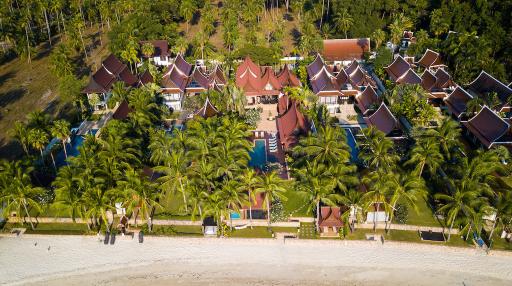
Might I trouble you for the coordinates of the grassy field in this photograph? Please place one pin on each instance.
(176, 230)
(424, 217)
(51, 228)
(295, 205)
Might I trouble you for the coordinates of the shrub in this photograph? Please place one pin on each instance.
(401, 213)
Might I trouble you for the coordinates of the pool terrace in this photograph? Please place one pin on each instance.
(261, 153)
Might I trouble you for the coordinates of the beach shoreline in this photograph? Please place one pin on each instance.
(84, 260)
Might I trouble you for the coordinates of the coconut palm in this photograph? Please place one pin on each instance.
(315, 182)
(160, 145)
(60, 129)
(379, 36)
(21, 133)
(68, 192)
(405, 187)
(426, 153)
(272, 187)
(377, 150)
(460, 203)
(16, 190)
(354, 200)
(502, 204)
(38, 140)
(328, 147)
(343, 21)
(447, 135)
(141, 195)
(187, 10)
(249, 183)
(98, 202)
(377, 194)
(233, 197)
(38, 120)
(175, 179)
(147, 49)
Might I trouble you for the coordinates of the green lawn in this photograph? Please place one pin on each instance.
(51, 228)
(296, 205)
(173, 208)
(307, 230)
(501, 244)
(424, 217)
(175, 230)
(255, 232)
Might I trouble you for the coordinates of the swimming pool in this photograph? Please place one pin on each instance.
(234, 215)
(351, 141)
(72, 148)
(258, 155)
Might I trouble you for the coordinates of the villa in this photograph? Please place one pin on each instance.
(457, 101)
(488, 129)
(344, 51)
(112, 70)
(174, 82)
(160, 56)
(291, 123)
(430, 59)
(383, 120)
(208, 110)
(259, 84)
(367, 100)
(330, 221)
(485, 84)
(397, 68)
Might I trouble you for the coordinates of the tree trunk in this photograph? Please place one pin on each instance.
(63, 22)
(41, 151)
(467, 234)
(318, 216)
(64, 147)
(322, 16)
(28, 214)
(53, 161)
(250, 209)
(83, 44)
(47, 26)
(375, 218)
(493, 227)
(421, 169)
(268, 211)
(450, 231)
(184, 196)
(28, 46)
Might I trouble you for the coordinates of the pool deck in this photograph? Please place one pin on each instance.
(278, 156)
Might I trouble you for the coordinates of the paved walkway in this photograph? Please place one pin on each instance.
(406, 227)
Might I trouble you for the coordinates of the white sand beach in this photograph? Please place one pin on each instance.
(81, 260)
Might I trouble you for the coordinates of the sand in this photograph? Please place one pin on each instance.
(82, 260)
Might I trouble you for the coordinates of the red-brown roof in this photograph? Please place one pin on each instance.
(457, 101)
(345, 49)
(198, 81)
(443, 79)
(342, 78)
(100, 82)
(314, 67)
(366, 99)
(182, 64)
(290, 125)
(354, 65)
(397, 68)
(127, 77)
(323, 83)
(287, 78)
(430, 58)
(410, 77)
(486, 83)
(270, 81)
(145, 78)
(208, 110)
(113, 64)
(428, 80)
(217, 76)
(359, 78)
(161, 48)
(283, 103)
(330, 217)
(122, 111)
(382, 119)
(487, 126)
(174, 79)
(248, 78)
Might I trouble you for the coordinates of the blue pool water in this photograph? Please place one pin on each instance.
(72, 148)
(235, 216)
(351, 141)
(258, 155)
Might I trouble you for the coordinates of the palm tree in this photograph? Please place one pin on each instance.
(343, 21)
(426, 153)
(404, 187)
(447, 135)
(272, 187)
(174, 173)
(249, 182)
(141, 194)
(98, 202)
(502, 204)
(378, 193)
(147, 49)
(377, 150)
(68, 192)
(21, 133)
(16, 190)
(379, 36)
(187, 10)
(233, 197)
(328, 147)
(160, 145)
(38, 139)
(60, 129)
(315, 181)
(461, 202)
(354, 200)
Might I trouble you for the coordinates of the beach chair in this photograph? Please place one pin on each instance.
(112, 239)
(107, 238)
(141, 237)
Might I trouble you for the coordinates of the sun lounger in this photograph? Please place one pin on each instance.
(141, 237)
(240, 226)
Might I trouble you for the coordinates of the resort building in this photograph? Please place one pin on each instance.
(290, 123)
(485, 84)
(160, 56)
(99, 88)
(145, 78)
(259, 86)
(344, 51)
(383, 120)
(330, 221)
(397, 68)
(488, 129)
(457, 101)
(368, 100)
(430, 59)
(174, 83)
(287, 78)
(208, 110)
(409, 77)
(198, 82)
